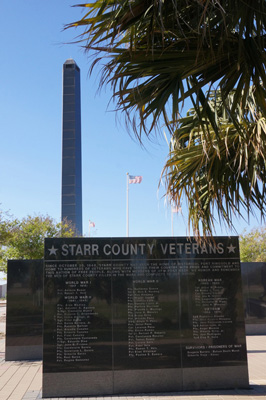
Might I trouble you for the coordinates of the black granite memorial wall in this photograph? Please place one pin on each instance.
(142, 315)
(254, 292)
(24, 310)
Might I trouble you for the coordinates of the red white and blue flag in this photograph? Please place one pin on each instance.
(91, 224)
(176, 209)
(134, 179)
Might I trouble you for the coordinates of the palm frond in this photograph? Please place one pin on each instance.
(156, 54)
(222, 175)
(152, 47)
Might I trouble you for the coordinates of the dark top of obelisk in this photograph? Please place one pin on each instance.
(71, 61)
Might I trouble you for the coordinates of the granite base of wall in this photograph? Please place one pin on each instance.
(147, 381)
(15, 353)
(215, 378)
(255, 329)
(143, 381)
(77, 384)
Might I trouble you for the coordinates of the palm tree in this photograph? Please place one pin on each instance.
(159, 53)
(223, 174)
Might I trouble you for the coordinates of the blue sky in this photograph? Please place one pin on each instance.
(34, 48)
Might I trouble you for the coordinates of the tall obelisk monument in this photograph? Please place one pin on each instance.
(71, 205)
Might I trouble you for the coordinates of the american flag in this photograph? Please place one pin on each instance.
(176, 209)
(135, 179)
(91, 224)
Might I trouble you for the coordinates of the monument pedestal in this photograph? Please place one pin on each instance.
(142, 315)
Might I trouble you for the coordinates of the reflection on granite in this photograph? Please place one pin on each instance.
(254, 292)
(24, 309)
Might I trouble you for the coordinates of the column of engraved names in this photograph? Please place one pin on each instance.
(210, 299)
(143, 310)
(76, 339)
(73, 322)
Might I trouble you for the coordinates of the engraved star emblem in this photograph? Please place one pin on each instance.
(52, 251)
(231, 248)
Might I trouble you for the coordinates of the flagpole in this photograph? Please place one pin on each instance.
(174, 210)
(127, 217)
(172, 221)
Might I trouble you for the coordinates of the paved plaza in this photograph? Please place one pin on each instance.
(23, 380)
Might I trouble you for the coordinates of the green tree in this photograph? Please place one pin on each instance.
(156, 54)
(25, 239)
(6, 225)
(253, 245)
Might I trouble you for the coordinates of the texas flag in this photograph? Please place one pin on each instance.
(135, 179)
